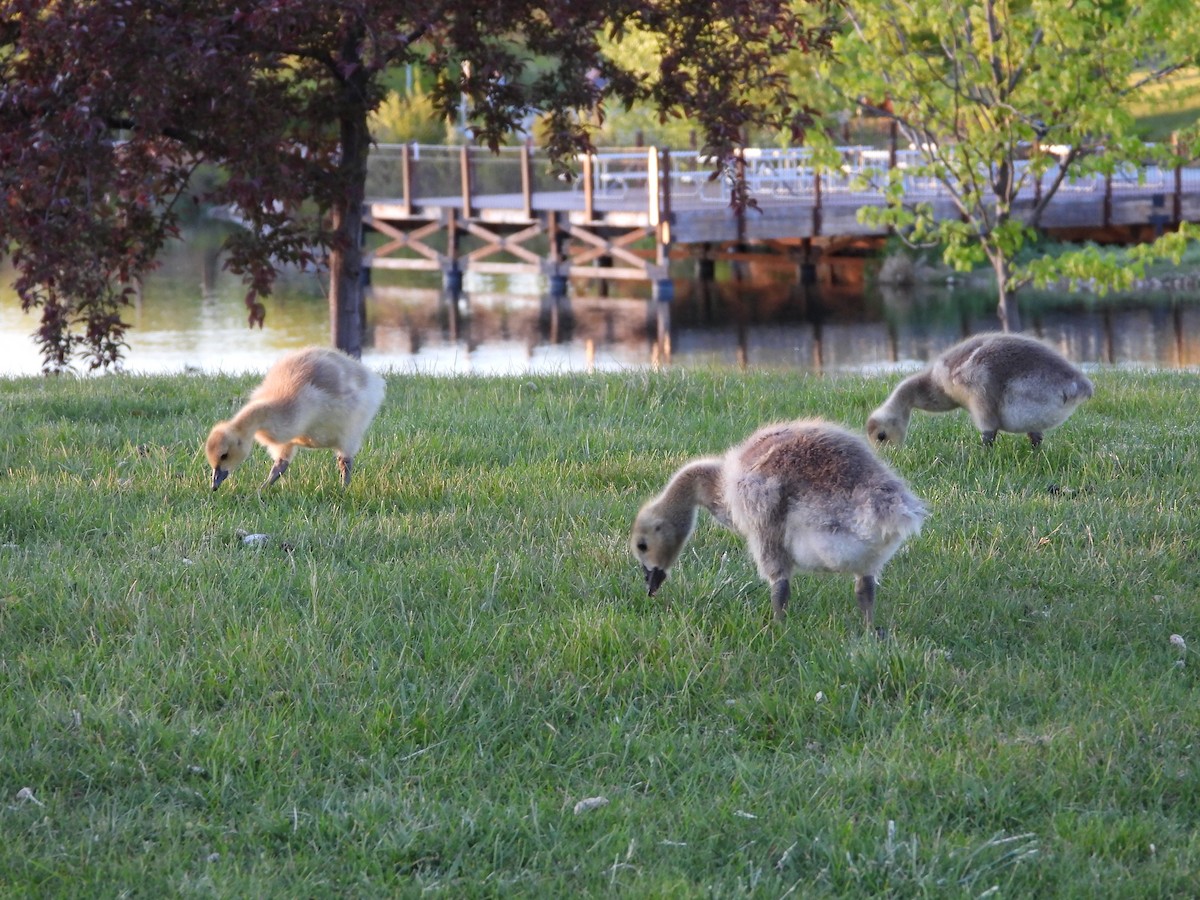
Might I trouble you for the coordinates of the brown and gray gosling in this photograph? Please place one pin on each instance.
(805, 495)
(316, 397)
(1007, 382)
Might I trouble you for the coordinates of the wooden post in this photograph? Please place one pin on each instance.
(554, 302)
(653, 193)
(589, 187)
(452, 276)
(555, 237)
(406, 177)
(465, 172)
(526, 182)
(452, 237)
(816, 223)
(665, 178)
(662, 288)
(893, 130)
(740, 207)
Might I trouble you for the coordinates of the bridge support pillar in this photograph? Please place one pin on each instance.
(663, 290)
(558, 285)
(604, 284)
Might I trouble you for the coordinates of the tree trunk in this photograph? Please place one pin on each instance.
(346, 305)
(1006, 308)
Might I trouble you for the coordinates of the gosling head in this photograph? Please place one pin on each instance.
(657, 540)
(226, 450)
(884, 427)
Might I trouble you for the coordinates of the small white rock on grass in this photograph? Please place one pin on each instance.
(590, 803)
(25, 795)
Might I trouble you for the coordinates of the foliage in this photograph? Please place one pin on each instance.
(411, 683)
(641, 123)
(642, 126)
(994, 97)
(1105, 270)
(409, 118)
(106, 108)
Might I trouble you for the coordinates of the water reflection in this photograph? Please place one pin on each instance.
(490, 333)
(765, 323)
(191, 317)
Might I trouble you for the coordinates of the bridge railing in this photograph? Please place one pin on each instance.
(416, 173)
(419, 173)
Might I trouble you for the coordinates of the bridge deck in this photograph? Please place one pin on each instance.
(505, 200)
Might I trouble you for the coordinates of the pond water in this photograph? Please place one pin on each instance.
(191, 317)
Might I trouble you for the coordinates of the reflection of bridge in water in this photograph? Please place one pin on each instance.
(456, 209)
(755, 324)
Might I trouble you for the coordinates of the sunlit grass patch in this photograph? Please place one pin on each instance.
(410, 685)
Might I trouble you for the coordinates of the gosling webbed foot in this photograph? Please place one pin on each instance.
(989, 437)
(1035, 438)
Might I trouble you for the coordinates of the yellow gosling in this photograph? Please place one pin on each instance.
(315, 397)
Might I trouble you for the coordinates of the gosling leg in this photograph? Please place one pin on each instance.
(864, 591)
(345, 465)
(281, 466)
(780, 592)
(989, 437)
(1035, 438)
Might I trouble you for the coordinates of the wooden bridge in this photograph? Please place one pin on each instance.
(452, 209)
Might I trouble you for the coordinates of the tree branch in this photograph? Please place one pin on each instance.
(122, 123)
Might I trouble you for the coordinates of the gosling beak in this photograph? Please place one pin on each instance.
(654, 579)
(219, 475)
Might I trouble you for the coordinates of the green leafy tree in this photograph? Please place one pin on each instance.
(995, 96)
(107, 108)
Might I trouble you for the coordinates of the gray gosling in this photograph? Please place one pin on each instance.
(315, 397)
(805, 495)
(1007, 382)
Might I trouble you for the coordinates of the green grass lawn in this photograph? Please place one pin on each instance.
(410, 684)
(1163, 109)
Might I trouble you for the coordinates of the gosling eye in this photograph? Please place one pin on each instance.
(642, 546)
(225, 456)
(881, 437)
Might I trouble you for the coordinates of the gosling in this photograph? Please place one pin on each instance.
(1008, 382)
(805, 495)
(310, 398)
